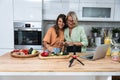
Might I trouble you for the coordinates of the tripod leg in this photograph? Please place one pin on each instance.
(79, 61)
(71, 61)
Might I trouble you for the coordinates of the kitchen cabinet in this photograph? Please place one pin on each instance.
(97, 1)
(74, 6)
(117, 10)
(27, 10)
(47, 78)
(103, 78)
(6, 26)
(96, 12)
(52, 8)
(55, 77)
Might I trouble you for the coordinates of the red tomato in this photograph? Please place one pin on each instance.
(25, 51)
(15, 50)
(44, 54)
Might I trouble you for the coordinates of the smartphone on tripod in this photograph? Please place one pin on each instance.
(73, 48)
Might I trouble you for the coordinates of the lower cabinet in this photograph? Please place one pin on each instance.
(6, 25)
(56, 78)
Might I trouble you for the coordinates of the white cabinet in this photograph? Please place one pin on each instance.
(117, 10)
(6, 25)
(52, 8)
(47, 77)
(74, 6)
(96, 12)
(103, 77)
(27, 10)
(86, 10)
(97, 1)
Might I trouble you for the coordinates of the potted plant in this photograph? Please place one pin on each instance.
(115, 32)
(94, 31)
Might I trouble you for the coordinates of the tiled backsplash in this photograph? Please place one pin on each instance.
(89, 25)
(86, 24)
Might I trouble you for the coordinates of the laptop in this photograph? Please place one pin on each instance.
(100, 52)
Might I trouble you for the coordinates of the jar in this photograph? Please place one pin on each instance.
(107, 40)
(115, 54)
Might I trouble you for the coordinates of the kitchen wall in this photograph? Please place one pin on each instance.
(86, 24)
(89, 25)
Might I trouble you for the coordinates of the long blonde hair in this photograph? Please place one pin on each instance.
(74, 16)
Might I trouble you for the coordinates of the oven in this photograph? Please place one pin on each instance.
(27, 35)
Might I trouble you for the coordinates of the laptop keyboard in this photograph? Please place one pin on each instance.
(90, 57)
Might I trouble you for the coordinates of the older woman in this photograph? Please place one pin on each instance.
(55, 35)
(75, 34)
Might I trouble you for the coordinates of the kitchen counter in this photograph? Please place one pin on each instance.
(27, 65)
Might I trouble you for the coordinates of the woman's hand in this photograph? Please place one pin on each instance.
(73, 43)
(69, 43)
(60, 43)
(50, 49)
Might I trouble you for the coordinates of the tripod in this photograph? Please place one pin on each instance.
(74, 57)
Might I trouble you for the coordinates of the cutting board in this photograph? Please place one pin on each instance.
(55, 57)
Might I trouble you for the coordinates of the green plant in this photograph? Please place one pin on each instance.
(116, 30)
(94, 30)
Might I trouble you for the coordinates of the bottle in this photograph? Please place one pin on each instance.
(107, 40)
(98, 41)
(115, 53)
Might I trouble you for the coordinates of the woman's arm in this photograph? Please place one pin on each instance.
(47, 46)
(84, 40)
(47, 39)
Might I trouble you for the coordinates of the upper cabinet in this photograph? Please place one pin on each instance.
(52, 8)
(27, 10)
(74, 6)
(90, 11)
(86, 10)
(117, 10)
(97, 1)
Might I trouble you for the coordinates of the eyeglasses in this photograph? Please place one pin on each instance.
(71, 21)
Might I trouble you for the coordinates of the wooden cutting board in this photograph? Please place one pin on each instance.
(55, 57)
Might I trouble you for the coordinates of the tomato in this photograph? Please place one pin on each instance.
(44, 54)
(25, 51)
(16, 50)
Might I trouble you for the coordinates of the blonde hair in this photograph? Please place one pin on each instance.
(74, 16)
